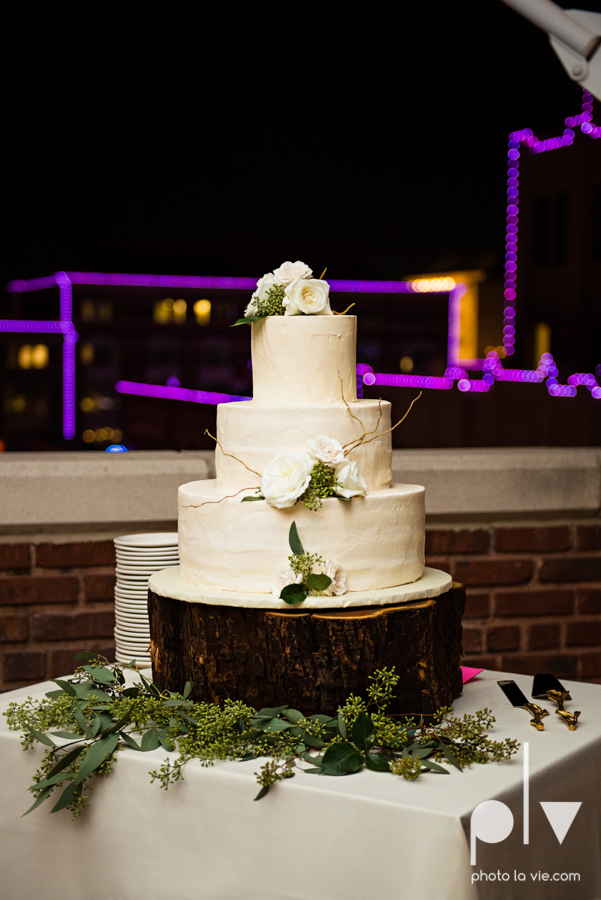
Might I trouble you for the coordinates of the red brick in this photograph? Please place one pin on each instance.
(581, 634)
(545, 636)
(437, 562)
(590, 665)
(534, 603)
(588, 537)
(30, 590)
(99, 587)
(62, 661)
(14, 556)
(477, 606)
(88, 553)
(493, 571)
(69, 626)
(472, 640)
(13, 628)
(503, 637)
(589, 601)
(466, 541)
(481, 662)
(24, 665)
(563, 666)
(524, 540)
(571, 568)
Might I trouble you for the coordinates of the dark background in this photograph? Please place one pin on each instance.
(221, 140)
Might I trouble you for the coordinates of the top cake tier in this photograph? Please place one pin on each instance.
(298, 359)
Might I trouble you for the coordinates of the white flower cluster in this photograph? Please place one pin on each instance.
(285, 575)
(303, 294)
(287, 476)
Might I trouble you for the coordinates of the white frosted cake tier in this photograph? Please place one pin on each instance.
(169, 583)
(226, 544)
(298, 359)
(255, 432)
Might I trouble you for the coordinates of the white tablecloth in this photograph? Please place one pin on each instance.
(369, 836)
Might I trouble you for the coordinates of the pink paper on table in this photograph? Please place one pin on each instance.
(467, 673)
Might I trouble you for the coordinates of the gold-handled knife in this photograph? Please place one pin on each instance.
(520, 701)
(548, 687)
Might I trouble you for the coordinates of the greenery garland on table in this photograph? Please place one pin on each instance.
(95, 716)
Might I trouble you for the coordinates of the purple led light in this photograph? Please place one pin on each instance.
(174, 393)
(418, 381)
(31, 326)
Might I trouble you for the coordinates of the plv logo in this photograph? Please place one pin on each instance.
(492, 821)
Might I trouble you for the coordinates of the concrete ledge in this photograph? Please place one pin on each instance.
(102, 489)
(138, 490)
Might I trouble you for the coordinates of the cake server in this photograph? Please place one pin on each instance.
(548, 687)
(519, 700)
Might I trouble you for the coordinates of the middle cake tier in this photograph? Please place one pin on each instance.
(256, 432)
(228, 544)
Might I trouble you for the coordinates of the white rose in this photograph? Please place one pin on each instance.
(288, 271)
(263, 285)
(282, 577)
(285, 478)
(251, 309)
(308, 296)
(326, 449)
(338, 576)
(351, 478)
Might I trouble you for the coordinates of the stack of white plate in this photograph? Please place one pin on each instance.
(138, 557)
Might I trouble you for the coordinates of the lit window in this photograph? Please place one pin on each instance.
(87, 404)
(39, 356)
(24, 357)
(88, 312)
(163, 311)
(89, 436)
(202, 311)
(179, 311)
(406, 364)
(86, 354)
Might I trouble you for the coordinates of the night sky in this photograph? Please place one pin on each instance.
(194, 139)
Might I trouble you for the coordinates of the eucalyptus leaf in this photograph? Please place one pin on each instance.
(250, 498)
(248, 320)
(295, 541)
(314, 742)
(95, 756)
(150, 740)
(341, 759)
(294, 716)
(341, 725)
(434, 767)
(43, 796)
(67, 687)
(68, 796)
(68, 735)
(316, 760)
(188, 689)
(51, 782)
(123, 721)
(53, 695)
(130, 741)
(363, 732)
(377, 762)
(273, 725)
(94, 694)
(450, 756)
(265, 787)
(270, 712)
(41, 737)
(293, 594)
(131, 692)
(317, 582)
(101, 674)
(321, 718)
(66, 760)
(81, 721)
(314, 770)
(85, 654)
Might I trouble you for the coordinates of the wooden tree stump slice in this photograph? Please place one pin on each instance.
(310, 659)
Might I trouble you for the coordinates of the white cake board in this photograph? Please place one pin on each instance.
(168, 583)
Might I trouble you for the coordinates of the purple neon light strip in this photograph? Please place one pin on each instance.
(33, 327)
(175, 393)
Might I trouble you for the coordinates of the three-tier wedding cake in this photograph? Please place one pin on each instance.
(305, 450)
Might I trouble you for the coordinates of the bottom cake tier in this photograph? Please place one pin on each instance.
(230, 545)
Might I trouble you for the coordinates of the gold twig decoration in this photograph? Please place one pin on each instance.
(323, 273)
(345, 311)
(350, 412)
(231, 454)
(415, 399)
(227, 497)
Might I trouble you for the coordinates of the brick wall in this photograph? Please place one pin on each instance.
(533, 599)
(533, 595)
(55, 599)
